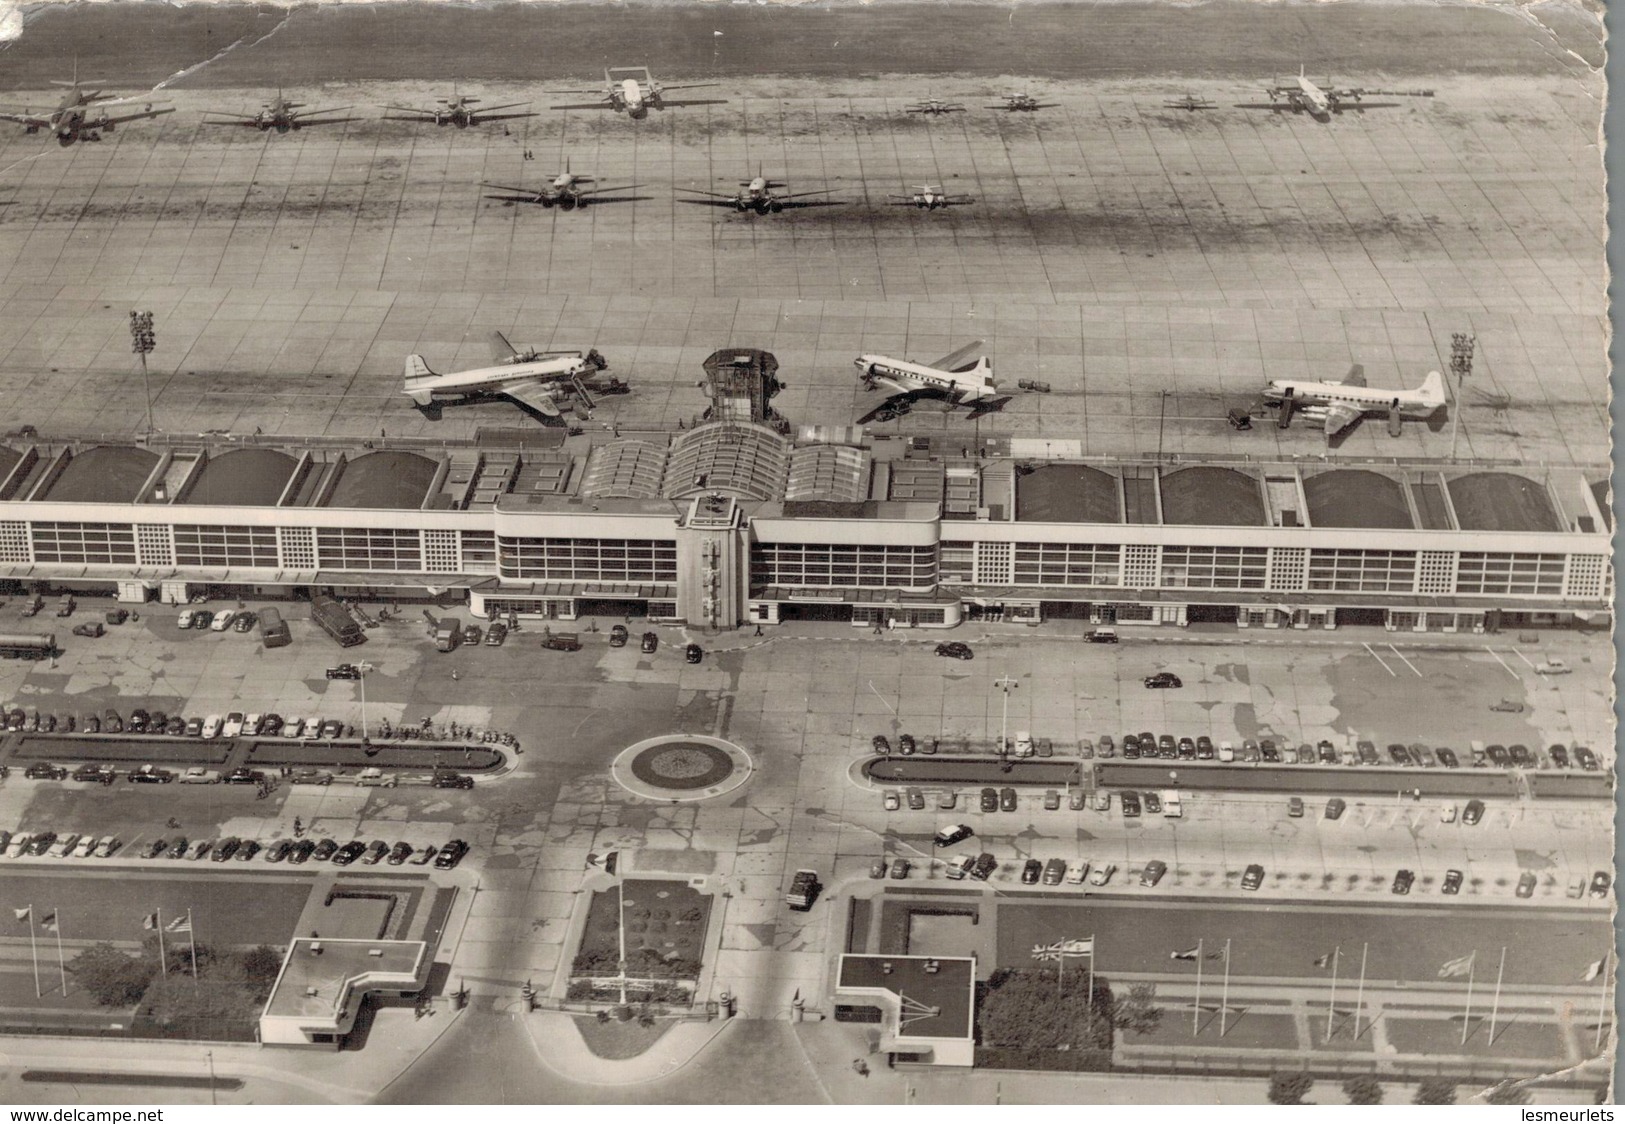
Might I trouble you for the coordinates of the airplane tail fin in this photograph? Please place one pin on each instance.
(1433, 388)
(417, 371)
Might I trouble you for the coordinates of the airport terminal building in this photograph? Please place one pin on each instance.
(736, 523)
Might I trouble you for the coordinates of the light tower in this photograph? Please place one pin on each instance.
(142, 341)
(1461, 365)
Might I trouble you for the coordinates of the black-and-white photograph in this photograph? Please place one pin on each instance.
(914, 553)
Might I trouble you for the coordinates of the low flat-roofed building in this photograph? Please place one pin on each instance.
(324, 982)
(927, 1004)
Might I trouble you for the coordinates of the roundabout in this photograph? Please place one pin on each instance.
(682, 767)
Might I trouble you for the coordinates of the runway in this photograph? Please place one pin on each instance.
(1115, 249)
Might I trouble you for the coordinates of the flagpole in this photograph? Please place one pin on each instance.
(1093, 947)
(163, 958)
(1467, 1011)
(1224, 998)
(1196, 1008)
(1602, 1001)
(192, 937)
(1359, 999)
(1331, 1004)
(1495, 1008)
(34, 951)
(62, 965)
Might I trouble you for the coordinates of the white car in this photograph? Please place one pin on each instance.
(233, 726)
(1077, 872)
(197, 774)
(1024, 744)
(1103, 874)
(85, 847)
(19, 844)
(313, 728)
(222, 620)
(198, 850)
(184, 620)
(892, 802)
(106, 845)
(293, 727)
(212, 725)
(252, 724)
(1552, 667)
(1447, 813)
(64, 845)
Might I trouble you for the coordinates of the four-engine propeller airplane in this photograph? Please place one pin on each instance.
(1300, 95)
(282, 115)
(539, 381)
(761, 195)
(949, 378)
(82, 115)
(633, 91)
(934, 107)
(929, 197)
(1338, 405)
(1023, 103)
(565, 192)
(459, 110)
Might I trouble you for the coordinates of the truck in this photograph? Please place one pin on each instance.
(562, 642)
(448, 633)
(803, 891)
(27, 645)
(273, 629)
(1171, 808)
(335, 620)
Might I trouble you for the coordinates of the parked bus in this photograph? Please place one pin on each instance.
(335, 620)
(273, 629)
(27, 645)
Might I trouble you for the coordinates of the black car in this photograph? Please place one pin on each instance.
(1031, 871)
(955, 650)
(450, 855)
(1499, 757)
(948, 836)
(693, 653)
(177, 726)
(495, 633)
(94, 774)
(1559, 755)
(880, 745)
(472, 635)
(244, 621)
(157, 722)
(1403, 881)
(1327, 752)
(1187, 749)
(244, 775)
(1452, 882)
(138, 721)
(271, 725)
(45, 771)
(452, 780)
(1447, 758)
(349, 853)
(1587, 759)
(1472, 812)
(990, 800)
(1520, 756)
(279, 851)
(112, 723)
(1267, 750)
(224, 849)
(1007, 799)
(344, 671)
(1166, 747)
(1204, 748)
(1253, 877)
(325, 850)
(157, 847)
(1131, 805)
(376, 850)
(1131, 747)
(1153, 804)
(1399, 754)
(650, 643)
(984, 866)
(400, 853)
(617, 636)
(302, 850)
(1163, 679)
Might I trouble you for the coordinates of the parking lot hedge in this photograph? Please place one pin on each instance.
(128, 751)
(996, 1057)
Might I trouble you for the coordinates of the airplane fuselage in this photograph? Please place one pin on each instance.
(1314, 399)
(425, 387)
(909, 378)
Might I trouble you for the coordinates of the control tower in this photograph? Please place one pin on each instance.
(741, 382)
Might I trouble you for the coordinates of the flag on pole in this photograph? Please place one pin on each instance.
(1461, 966)
(48, 922)
(1188, 954)
(22, 914)
(181, 924)
(1324, 961)
(1595, 970)
(1060, 950)
(1216, 955)
(150, 921)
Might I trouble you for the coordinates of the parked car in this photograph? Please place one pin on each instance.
(1052, 801)
(1452, 882)
(450, 855)
(1131, 747)
(1153, 872)
(1520, 756)
(1187, 749)
(495, 633)
(244, 621)
(301, 851)
(399, 853)
(989, 800)
(877, 869)
(956, 650)
(900, 868)
(246, 851)
(222, 620)
(916, 800)
(1131, 805)
(212, 725)
(905, 745)
(279, 851)
(45, 771)
(1335, 807)
(293, 727)
(1204, 748)
(1327, 752)
(1054, 871)
(107, 846)
(1559, 755)
(1031, 871)
(1472, 812)
(425, 856)
(233, 726)
(891, 801)
(1499, 757)
(1153, 804)
(618, 636)
(1294, 807)
(693, 653)
(1368, 752)
(64, 845)
(1587, 759)
(1268, 751)
(880, 744)
(223, 850)
(1600, 882)
(452, 780)
(952, 834)
(1526, 884)
(1077, 872)
(271, 725)
(1399, 755)
(94, 774)
(1103, 874)
(91, 629)
(325, 850)
(1100, 636)
(1007, 799)
(1447, 757)
(344, 671)
(1403, 881)
(244, 775)
(649, 644)
(1253, 877)
(1163, 679)
(198, 849)
(349, 853)
(472, 635)
(112, 722)
(945, 800)
(986, 864)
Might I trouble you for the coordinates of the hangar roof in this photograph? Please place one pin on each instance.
(1067, 493)
(102, 474)
(241, 478)
(1502, 501)
(1209, 496)
(392, 479)
(1347, 497)
(626, 469)
(838, 473)
(737, 458)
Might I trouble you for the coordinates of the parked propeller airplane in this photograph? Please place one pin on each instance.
(1023, 103)
(949, 378)
(459, 110)
(760, 195)
(633, 91)
(1321, 102)
(934, 106)
(1338, 405)
(929, 197)
(564, 192)
(1190, 103)
(72, 120)
(539, 381)
(282, 115)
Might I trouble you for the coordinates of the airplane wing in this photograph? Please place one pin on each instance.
(224, 119)
(701, 191)
(533, 395)
(902, 200)
(515, 194)
(1339, 418)
(603, 190)
(959, 200)
(490, 109)
(604, 104)
(690, 86)
(1272, 106)
(26, 118)
(804, 194)
(140, 115)
(314, 117)
(679, 104)
(953, 359)
(501, 350)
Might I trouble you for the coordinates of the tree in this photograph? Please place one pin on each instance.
(1507, 1092)
(1289, 1088)
(261, 966)
(1435, 1090)
(113, 978)
(1028, 1008)
(1137, 1011)
(1363, 1089)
